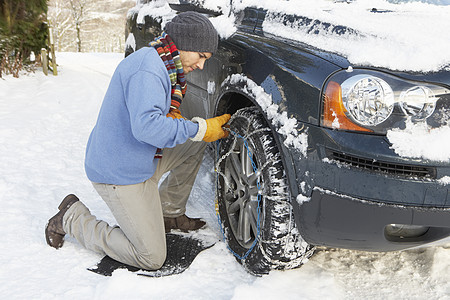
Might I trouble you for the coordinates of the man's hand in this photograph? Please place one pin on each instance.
(175, 113)
(214, 130)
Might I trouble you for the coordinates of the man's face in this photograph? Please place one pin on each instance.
(193, 60)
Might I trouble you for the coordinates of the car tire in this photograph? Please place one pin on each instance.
(275, 243)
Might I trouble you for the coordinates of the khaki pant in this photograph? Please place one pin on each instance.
(138, 209)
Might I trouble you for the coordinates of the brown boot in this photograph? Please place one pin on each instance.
(54, 232)
(184, 223)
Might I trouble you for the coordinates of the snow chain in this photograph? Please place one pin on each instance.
(219, 172)
(257, 171)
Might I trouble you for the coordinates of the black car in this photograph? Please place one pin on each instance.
(308, 161)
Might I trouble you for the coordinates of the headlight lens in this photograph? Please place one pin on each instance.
(418, 102)
(372, 101)
(368, 99)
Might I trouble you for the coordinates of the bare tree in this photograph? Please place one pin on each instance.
(60, 19)
(80, 13)
(89, 25)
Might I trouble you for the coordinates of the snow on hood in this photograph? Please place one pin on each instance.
(407, 36)
(411, 36)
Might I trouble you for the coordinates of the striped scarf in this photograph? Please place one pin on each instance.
(171, 58)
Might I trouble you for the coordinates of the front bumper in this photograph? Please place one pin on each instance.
(354, 198)
(334, 220)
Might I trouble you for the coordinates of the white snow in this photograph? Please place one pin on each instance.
(211, 87)
(420, 141)
(302, 199)
(131, 42)
(445, 180)
(158, 9)
(225, 25)
(44, 126)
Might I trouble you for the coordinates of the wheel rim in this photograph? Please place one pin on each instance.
(241, 196)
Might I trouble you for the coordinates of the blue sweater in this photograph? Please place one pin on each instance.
(132, 122)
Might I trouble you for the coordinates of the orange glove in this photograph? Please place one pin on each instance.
(214, 130)
(175, 113)
(211, 130)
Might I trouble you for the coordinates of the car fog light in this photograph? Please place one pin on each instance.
(405, 231)
(418, 102)
(368, 99)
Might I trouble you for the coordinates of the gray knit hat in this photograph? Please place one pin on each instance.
(192, 31)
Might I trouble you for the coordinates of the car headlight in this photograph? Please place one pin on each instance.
(368, 99)
(371, 101)
(418, 102)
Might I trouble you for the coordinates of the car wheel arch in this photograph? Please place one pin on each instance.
(231, 100)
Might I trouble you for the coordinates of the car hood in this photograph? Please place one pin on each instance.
(409, 36)
(393, 34)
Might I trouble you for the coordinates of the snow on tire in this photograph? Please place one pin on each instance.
(254, 199)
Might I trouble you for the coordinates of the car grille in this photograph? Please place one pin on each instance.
(383, 167)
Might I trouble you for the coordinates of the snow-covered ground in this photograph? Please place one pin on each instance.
(44, 126)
